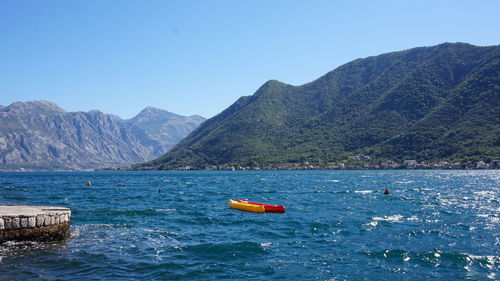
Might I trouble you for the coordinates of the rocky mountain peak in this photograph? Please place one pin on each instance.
(152, 113)
(41, 106)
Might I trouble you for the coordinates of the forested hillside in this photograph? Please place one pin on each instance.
(428, 104)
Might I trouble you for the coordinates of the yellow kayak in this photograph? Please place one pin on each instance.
(246, 207)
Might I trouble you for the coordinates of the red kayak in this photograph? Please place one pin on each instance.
(267, 207)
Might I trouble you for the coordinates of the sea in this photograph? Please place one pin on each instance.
(338, 225)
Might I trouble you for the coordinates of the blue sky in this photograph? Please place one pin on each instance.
(198, 57)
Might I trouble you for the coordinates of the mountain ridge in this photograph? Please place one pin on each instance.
(363, 106)
(39, 135)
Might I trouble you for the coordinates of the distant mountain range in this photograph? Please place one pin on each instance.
(428, 104)
(41, 135)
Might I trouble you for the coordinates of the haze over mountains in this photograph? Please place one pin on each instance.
(429, 104)
(41, 135)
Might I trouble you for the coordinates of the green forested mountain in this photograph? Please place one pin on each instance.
(429, 104)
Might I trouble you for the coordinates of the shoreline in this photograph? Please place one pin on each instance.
(250, 169)
(360, 162)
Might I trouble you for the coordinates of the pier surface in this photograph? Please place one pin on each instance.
(34, 223)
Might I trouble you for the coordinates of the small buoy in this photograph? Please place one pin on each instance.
(159, 190)
(89, 183)
(386, 191)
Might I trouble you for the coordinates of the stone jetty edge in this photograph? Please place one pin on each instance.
(34, 223)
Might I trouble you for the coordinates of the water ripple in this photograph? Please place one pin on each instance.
(338, 226)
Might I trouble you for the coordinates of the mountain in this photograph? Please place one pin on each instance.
(41, 135)
(428, 103)
(162, 129)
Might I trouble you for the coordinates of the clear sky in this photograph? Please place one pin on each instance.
(198, 57)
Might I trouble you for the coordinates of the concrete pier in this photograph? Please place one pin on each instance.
(34, 223)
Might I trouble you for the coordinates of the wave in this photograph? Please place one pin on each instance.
(372, 223)
(438, 258)
(165, 210)
(390, 219)
(341, 191)
(21, 248)
(393, 218)
(404, 182)
(364, 191)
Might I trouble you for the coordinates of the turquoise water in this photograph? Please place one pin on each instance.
(442, 225)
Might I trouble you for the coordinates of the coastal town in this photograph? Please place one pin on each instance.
(361, 162)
